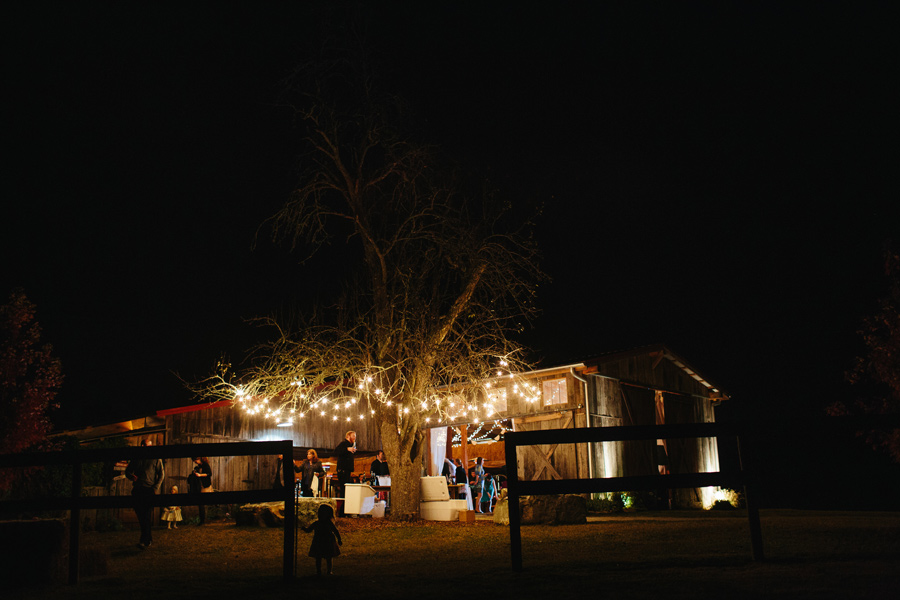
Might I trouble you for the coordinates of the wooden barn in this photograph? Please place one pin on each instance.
(222, 422)
(644, 386)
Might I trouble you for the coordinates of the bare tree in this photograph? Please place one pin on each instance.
(439, 281)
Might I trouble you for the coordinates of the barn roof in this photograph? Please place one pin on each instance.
(658, 352)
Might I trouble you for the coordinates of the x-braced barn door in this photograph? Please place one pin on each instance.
(538, 458)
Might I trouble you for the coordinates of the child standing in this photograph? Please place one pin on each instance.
(326, 538)
(172, 514)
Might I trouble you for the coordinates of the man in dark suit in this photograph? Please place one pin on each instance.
(344, 455)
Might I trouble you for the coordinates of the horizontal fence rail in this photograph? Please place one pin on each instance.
(743, 477)
(76, 502)
(517, 488)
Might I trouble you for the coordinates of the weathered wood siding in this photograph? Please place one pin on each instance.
(311, 431)
(557, 461)
(616, 404)
(230, 424)
(652, 372)
(607, 410)
(690, 455)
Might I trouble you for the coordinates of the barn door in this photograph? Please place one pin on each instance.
(546, 461)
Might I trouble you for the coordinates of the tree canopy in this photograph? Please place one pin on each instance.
(30, 377)
(436, 277)
(878, 369)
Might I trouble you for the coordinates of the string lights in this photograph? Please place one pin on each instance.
(482, 403)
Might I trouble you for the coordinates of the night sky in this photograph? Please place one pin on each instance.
(718, 179)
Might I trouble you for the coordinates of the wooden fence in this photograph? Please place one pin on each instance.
(741, 476)
(517, 488)
(76, 502)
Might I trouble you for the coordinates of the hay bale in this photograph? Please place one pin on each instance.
(271, 514)
(563, 509)
(263, 514)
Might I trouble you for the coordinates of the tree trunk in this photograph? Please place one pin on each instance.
(405, 490)
(405, 474)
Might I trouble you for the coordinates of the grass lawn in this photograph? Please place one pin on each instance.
(641, 555)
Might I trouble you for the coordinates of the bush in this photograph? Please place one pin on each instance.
(644, 500)
(612, 504)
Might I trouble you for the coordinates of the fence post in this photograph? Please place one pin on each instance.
(512, 503)
(75, 520)
(756, 543)
(290, 517)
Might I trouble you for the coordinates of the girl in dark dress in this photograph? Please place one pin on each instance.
(326, 539)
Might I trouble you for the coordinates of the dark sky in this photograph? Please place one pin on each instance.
(719, 179)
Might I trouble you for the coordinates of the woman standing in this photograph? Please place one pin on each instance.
(200, 481)
(488, 493)
(477, 481)
(463, 483)
(311, 467)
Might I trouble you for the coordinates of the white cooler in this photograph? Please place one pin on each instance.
(448, 510)
(359, 499)
(436, 504)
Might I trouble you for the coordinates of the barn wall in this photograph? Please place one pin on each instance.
(614, 404)
(558, 461)
(639, 456)
(691, 455)
(224, 424)
(312, 431)
(607, 410)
